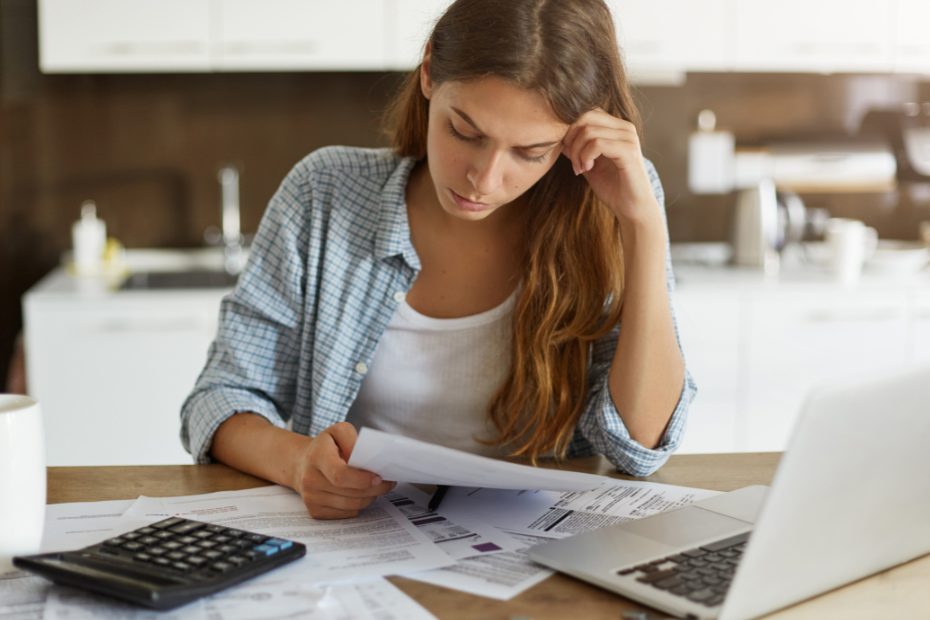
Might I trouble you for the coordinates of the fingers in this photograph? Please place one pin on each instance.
(336, 444)
(345, 436)
(595, 134)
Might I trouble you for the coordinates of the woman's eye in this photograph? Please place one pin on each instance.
(457, 134)
(533, 158)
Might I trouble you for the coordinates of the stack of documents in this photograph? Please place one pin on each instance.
(474, 542)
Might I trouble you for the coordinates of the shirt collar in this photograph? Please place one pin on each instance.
(393, 235)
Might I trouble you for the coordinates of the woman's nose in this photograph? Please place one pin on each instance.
(487, 173)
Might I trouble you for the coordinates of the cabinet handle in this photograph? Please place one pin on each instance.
(166, 325)
(832, 316)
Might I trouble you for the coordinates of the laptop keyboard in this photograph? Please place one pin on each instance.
(702, 575)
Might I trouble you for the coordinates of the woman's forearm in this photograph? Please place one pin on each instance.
(250, 443)
(647, 372)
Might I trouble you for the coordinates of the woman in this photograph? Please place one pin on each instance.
(466, 287)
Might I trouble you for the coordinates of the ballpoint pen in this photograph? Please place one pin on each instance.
(438, 494)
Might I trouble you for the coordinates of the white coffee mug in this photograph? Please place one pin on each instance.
(22, 478)
(851, 244)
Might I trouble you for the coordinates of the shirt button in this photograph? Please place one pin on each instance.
(399, 297)
(361, 368)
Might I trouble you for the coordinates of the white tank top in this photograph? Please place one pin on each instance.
(432, 379)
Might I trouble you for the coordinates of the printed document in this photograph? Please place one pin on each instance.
(558, 515)
(394, 457)
(380, 541)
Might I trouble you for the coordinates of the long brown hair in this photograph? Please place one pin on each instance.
(573, 262)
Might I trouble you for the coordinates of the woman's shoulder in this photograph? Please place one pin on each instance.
(339, 161)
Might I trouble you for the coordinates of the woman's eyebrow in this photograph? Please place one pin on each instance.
(465, 117)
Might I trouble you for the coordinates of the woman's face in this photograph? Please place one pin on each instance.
(488, 142)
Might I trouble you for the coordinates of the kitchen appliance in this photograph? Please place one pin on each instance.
(907, 130)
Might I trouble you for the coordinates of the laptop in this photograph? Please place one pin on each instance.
(850, 497)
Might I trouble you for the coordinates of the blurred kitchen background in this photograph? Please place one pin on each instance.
(136, 105)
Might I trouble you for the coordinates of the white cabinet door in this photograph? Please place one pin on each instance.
(798, 341)
(299, 34)
(410, 23)
(123, 35)
(912, 41)
(659, 36)
(710, 325)
(823, 35)
(920, 327)
(111, 375)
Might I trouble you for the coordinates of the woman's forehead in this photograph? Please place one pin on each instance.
(502, 110)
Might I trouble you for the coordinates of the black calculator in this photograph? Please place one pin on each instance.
(166, 564)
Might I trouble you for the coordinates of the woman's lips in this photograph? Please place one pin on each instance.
(468, 205)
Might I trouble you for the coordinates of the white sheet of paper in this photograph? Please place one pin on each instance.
(394, 457)
(458, 539)
(22, 596)
(500, 576)
(557, 515)
(76, 525)
(380, 541)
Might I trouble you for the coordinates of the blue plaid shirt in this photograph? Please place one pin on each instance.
(328, 266)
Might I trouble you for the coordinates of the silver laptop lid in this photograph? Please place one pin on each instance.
(851, 496)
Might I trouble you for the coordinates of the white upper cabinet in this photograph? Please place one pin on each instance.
(912, 36)
(282, 35)
(668, 36)
(124, 35)
(410, 22)
(814, 36)
(658, 37)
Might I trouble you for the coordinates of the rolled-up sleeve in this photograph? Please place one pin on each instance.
(600, 428)
(252, 363)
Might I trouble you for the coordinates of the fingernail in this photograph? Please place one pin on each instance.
(375, 481)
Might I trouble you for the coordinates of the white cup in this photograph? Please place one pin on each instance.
(851, 244)
(22, 478)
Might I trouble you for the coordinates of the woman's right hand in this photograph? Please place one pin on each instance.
(329, 487)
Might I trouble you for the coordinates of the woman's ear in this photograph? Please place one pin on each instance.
(426, 84)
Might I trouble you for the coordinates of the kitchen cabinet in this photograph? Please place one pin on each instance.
(410, 22)
(800, 340)
(821, 36)
(663, 37)
(124, 35)
(112, 368)
(710, 326)
(281, 35)
(920, 326)
(911, 43)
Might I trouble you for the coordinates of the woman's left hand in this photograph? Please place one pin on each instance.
(606, 150)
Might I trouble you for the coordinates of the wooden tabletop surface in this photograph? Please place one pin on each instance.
(902, 592)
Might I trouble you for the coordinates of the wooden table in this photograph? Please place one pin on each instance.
(902, 592)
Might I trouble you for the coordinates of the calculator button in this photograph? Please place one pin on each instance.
(176, 555)
(181, 566)
(222, 567)
(221, 539)
(251, 555)
(163, 525)
(131, 535)
(237, 560)
(148, 540)
(187, 540)
(215, 529)
(203, 534)
(132, 546)
(227, 549)
(191, 549)
(257, 538)
(170, 544)
(142, 557)
(146, 530)
(161, 561)
(187, 528)
(156, 551)
(206, 544)
(233, 533)
(196, 560)
(266, 549)
(278, 542)
(164, 535)
(114, 542)
(244, 544)
(213, 555)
